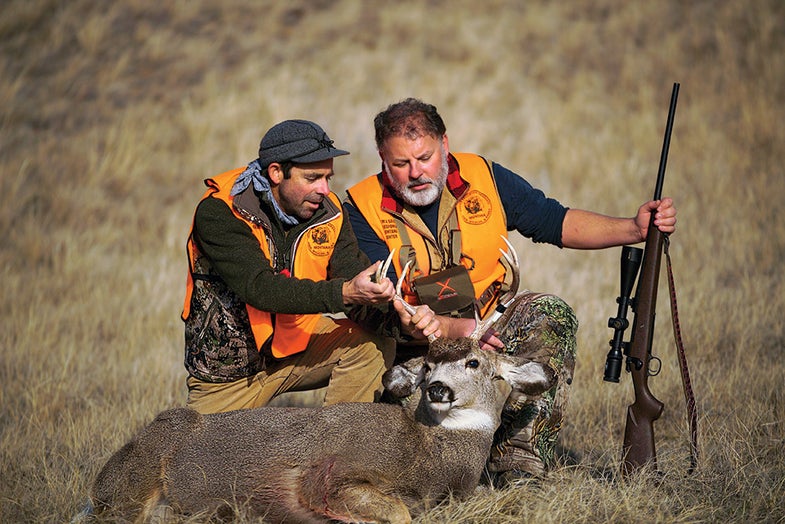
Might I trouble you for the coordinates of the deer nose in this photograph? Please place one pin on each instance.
(438, 392)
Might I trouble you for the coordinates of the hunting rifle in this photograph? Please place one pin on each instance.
(638, 448)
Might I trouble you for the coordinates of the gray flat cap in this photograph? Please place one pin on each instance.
(299, 141)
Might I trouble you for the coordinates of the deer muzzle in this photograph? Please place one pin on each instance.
(438, 392)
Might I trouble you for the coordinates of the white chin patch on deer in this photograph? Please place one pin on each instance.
(468, 419)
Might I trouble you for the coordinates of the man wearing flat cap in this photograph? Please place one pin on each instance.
(269, 252)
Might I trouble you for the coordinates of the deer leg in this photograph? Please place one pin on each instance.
(363, 502)
(336, 492)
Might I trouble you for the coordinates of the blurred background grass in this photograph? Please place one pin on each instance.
(112, 113)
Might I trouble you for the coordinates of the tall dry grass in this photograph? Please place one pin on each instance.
(113, 113)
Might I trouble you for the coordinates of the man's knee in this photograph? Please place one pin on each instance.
(357, 376)
(378, 350)
(540, 327)
(368, 355)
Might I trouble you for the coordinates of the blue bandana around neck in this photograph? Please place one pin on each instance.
(253, 173)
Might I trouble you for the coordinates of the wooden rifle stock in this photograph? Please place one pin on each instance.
(638, 448)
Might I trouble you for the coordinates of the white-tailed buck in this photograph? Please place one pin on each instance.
(347, 462)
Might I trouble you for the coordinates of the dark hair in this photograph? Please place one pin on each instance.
(411, 118)
(286, 167)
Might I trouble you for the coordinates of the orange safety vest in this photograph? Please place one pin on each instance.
(476, 212)
(312, 252)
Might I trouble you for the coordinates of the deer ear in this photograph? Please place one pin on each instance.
(531, 378)
(402, 380)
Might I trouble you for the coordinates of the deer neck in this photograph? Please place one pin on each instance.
(475, 419)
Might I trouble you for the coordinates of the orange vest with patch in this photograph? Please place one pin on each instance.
(312, 252)
(479, 216)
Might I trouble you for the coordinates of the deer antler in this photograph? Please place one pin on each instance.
(482, 327)
(511, 256)
(382, 271)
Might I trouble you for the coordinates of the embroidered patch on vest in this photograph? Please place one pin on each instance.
(390, 229)
(321, 240)
(475, 208)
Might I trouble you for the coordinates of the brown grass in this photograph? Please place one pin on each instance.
(113, 112)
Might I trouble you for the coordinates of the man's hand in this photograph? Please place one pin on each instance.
(463, 327)
(490, 342)
(363, 290)
(423, 323)
(664, 216)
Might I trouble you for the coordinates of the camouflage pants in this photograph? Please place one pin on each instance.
(542, 328)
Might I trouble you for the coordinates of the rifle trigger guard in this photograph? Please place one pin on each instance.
(654, 370)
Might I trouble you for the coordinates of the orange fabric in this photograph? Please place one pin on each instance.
(481, 220)
(313, 250)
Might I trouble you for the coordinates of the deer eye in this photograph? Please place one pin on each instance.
(426, 368)
(473, 363)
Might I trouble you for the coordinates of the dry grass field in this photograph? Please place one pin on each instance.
(112, 113)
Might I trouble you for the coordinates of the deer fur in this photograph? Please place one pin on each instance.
(354, 462)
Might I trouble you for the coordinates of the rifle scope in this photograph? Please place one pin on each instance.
(630, 264)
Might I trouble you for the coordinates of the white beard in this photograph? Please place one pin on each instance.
(421, 197)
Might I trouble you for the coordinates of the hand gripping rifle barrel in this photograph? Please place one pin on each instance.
(638, 448)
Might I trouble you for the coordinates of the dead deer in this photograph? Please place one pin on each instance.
(355, 462)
